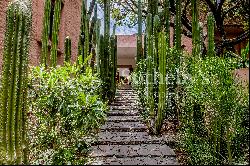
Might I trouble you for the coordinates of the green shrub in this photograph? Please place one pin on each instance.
(66, 111)
(215, 120)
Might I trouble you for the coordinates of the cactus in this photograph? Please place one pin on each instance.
(162, 48)
(86, 39)
(82, 31)
(156, 30)
(178, 26)
(113, 63)
(101, 56)
(167, 26)
(150, 72)
(139, 36)
(195, 28)
(97, 31)
(200, 39)
(211, 45)
(13, 98)
(106, 49)
(153, 7)
(92, 36)
(55, 30)
(67, 49)
(46, 29)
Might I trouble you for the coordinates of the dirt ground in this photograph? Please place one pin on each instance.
(242, 75)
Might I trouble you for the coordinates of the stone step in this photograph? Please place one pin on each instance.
(143, 150)
(135, 161)
(127, 138)
(123, 112)
(123, 104)
(123, 107)
(123, 118)
(124, 126)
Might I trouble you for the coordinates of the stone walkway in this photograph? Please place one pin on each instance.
(124, 139)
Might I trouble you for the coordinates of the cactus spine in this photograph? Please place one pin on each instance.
(55, 30)
(139, 36)
(67, 49)
(162, 48)
(13, 110)
(211, 45)
(46, 29)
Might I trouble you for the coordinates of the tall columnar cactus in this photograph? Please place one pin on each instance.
(145, 46)
(200, 39)
(162, 48)
(14, 84)
(105, 77)
(97, 31)
(150, 71)
(178, 25)
(195, 28)
(92, 37)
(139, 35)
(55, 30)
(167, 26)
(113, 63)
(46, 29)
(82, 30)
(86, 38)
(211, 45)
(101, 57)
(67, 49)
(156, 29)
(153, 7)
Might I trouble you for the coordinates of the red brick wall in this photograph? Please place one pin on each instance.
(69, 26)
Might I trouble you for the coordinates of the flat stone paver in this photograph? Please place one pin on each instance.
(136, 161)
(144, 150)
(124, 139)
(123, 118)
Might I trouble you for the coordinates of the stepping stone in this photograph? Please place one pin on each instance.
(143, 150)
(128, 138)
(124, 126)
(123, 112)
(123, 118)
(136, 161)
(123, 107)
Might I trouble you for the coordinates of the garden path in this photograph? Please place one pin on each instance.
(124, 139)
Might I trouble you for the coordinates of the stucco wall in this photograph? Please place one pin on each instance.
(69, 26)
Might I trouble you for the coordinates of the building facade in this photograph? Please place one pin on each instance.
(69, 26)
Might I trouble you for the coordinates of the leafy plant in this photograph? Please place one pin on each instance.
(214, 120)
(66, 111)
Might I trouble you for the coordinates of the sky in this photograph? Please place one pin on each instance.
(120, 30)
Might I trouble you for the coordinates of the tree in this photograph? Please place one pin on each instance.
(224, 11)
